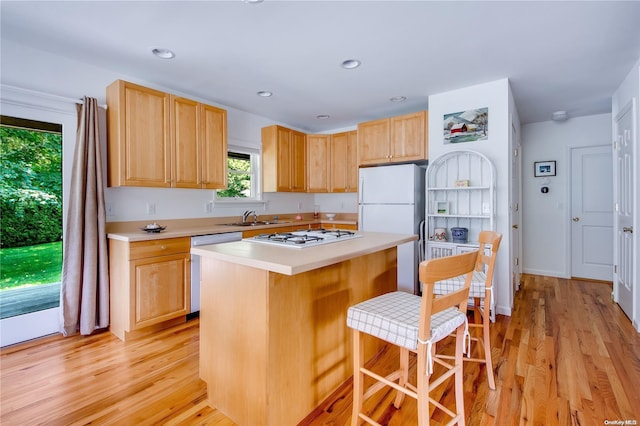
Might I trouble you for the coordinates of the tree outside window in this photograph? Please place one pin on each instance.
(241, 177)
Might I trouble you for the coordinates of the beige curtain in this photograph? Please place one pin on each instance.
(84, 293)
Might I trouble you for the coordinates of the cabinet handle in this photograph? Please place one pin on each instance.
(576, 219)
(628, 229)
(163, 247)
(515, 226)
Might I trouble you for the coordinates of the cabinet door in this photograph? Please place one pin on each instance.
(213, 147)
(185, 124)
(283, 160)
(408, 138)
(161, 288)
(344, 170)
(318, 163)
(139, 136)
(298, 162)
(373, 142)
(352, 162)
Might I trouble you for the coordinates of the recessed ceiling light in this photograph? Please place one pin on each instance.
(560, 116)
(264, 93)
(350, 64)
(163, 53)
(323, 116)
(398, 99)
(253, 1)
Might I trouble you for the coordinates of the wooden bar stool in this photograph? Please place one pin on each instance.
(415, 324)
(481, 292)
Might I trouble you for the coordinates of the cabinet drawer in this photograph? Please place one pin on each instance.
(144, 249)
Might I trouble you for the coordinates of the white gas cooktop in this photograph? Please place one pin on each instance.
(304, 239)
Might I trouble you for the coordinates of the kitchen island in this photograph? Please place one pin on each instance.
(273, 336)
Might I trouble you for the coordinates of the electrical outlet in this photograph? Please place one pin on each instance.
(109, 209)
(208, 207)
(151, 208)
(299, 205)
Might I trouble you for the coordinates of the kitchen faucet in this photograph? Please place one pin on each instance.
(248, 213)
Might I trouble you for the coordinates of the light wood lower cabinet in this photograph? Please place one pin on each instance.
(150, 285)
(273, 346)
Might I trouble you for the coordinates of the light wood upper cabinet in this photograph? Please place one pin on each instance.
(318, 162)
(139, 148)
(160, 140)
(299, 160)
(373, 142)
(214, 147)
(408, 140)
(186, 159)
(283, 160)
(344, 162)
(393, 140)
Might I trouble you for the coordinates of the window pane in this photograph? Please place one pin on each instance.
(239, 179)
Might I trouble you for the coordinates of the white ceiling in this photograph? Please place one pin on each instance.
(557, 55)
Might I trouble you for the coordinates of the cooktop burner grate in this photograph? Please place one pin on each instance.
(304, 238)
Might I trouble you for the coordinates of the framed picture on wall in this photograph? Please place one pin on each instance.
(544, 168)
(466, 126)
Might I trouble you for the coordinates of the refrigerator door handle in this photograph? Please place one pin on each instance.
(361, 192)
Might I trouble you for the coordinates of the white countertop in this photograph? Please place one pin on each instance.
(189, 228)
(291, 261)
(190, 231)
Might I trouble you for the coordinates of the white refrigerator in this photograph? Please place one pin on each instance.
(391, 199)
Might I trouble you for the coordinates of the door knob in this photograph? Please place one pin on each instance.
(515, 226)
(628, 229)
(576, 219)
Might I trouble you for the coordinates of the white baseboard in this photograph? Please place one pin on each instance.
(545, 273)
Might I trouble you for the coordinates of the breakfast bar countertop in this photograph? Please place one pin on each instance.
(291, 261)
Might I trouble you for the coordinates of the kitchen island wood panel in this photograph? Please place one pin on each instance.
(272, 345)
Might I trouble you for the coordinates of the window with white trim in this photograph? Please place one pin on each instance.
(243, 182)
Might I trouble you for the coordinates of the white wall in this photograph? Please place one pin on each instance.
(630, 89)
(497, 97)
(546, 220)
(23, 67)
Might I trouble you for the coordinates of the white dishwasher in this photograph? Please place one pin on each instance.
(204, 240)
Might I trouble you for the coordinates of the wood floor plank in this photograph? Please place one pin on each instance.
(566, 356)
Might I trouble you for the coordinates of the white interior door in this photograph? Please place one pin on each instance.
(624, 189)
(592, 213)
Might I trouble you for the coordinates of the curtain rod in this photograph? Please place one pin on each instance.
(46, 95)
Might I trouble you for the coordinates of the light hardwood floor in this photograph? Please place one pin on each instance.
(567, 356)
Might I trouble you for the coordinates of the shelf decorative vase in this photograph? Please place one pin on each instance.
(440, 234)
(459, 235)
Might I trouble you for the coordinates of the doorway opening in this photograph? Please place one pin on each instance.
(31, 223)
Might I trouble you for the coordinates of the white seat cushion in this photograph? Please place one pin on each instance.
(395, 318)
(452, 284)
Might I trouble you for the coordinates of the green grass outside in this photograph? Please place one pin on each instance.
(30, 265)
